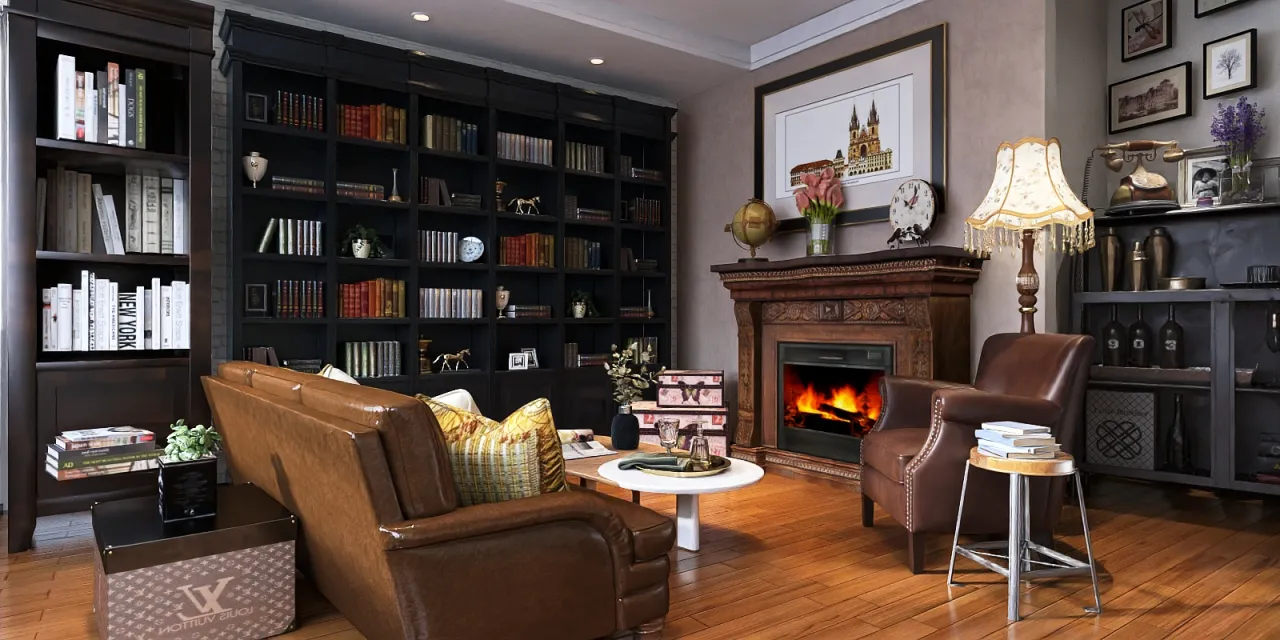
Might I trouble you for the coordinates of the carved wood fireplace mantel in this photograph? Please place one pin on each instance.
(913, 303)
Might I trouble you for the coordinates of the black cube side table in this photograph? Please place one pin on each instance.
(231, 576)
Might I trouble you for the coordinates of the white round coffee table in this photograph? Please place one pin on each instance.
(686, 490)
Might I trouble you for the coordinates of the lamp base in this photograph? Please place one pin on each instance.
(1028, 282)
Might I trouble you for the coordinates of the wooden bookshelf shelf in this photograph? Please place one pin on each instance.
(508, 215)
(141, 259)
(453, 211)
(277, 257)
(455, 266)
(643, 182)
(519, 269)
(374, 262)
(530, 166)
(366, 202)
(264, 190)
(104, 158)
(390, 322)
(653, 275)
(281, 130)
(589, 223)
(454, 155)
(373, 144)
(588, 174)
(297, 321)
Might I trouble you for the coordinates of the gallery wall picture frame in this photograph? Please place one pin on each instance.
(1229, 64)
(1201, 172)
(1151, 98)
(1145, 28)
(890, 103)
(1209, 7)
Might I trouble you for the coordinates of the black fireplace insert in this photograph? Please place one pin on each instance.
(829, 396)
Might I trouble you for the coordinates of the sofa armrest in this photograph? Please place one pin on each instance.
(974, 407)
(484, 519)
(907, 402)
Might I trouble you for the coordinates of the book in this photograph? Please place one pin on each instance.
(140, 107)
(79, 106)
(82, 306)
(151, 212)
(66, 83)
(580, 450)
(133, 213)
(65, 322)
(1014, 428)
(101, 437)
(113, 315)
(166, 317)
(67, 210)
(131, 115)
(90, 107)
(113, 224)
(122, 98)
(180, 217)
(46, 321)
(84, 213)
(98, 317)
(103, 95)
(92, 299)
(104, 470)
(993, 445)
(113, 103)
(157, 314)
(77, 336)
(1048, 455)
(179, 314)
(56, 450)
(166, 215)
(127, 326)
(42, 193)
(61, 460)
(1013, 440)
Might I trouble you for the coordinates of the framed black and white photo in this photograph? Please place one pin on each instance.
(877, 118)
(1158, 96)
(1145, 28)
(1206, 7)
(1230, 64)
(255, 300)
(517, 361)
(255, 107)
(531, 357)
(1202, 173)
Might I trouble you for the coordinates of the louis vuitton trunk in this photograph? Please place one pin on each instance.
(712, 420)
(691, 388)
(230, 577)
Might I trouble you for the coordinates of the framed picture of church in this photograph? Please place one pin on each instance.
(876, 118)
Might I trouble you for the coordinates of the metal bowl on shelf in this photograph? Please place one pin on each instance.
(1182, 283)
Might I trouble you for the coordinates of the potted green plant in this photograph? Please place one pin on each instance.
(584, 304)
(364, 242)
(189, 472)
(630, 378)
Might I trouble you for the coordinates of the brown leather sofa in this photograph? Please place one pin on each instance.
(914, 458)
(386, 541)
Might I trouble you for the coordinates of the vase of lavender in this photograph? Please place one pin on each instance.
(1237, 127)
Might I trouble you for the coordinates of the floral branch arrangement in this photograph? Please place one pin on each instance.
(629, 381)
(1238, 127)
(820, 198)
(186, 443)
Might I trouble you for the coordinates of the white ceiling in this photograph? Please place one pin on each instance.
(660, 50)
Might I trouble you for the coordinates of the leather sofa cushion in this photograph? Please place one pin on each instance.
(653, 533)
(889, 452)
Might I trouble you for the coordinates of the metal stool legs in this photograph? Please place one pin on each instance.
(955, 542)
(1088, 546)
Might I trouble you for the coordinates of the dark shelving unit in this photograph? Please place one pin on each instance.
(264, 57)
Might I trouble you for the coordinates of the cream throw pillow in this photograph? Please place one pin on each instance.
(333, 373)
(459, 399)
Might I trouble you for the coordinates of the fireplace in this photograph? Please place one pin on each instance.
(829, 396)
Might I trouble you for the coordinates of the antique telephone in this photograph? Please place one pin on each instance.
(1141, 191)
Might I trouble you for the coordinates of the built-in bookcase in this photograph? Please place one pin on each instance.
(490, 108)
(50, 391)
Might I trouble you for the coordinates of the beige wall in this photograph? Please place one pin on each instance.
(997, 74)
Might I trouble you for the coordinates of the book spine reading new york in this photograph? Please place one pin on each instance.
(378, 122)
(580, 253)
(442, 133)
(451, 303)
(100, 316)
(103, 106)
(293, 237)
(378, 359)
(438, 246)
(513, 146)
(579, 156)
(299, 110)
(528, 250)
(298, 299)
(381, 298)
(155, 214)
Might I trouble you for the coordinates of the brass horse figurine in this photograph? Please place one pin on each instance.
(454, 359)
(526, 206)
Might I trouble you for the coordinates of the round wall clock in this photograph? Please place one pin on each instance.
(911, 212)
(470, 249)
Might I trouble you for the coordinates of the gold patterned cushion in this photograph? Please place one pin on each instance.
(486, 454)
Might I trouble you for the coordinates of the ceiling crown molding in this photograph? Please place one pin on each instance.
(815, 31)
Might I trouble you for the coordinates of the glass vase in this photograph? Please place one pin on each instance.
(1242, 189)
(819, 239)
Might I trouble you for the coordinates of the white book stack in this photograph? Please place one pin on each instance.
(1017, 441)
(100, 315)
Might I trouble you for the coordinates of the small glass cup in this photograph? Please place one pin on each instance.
(668, 433)
(700, 450)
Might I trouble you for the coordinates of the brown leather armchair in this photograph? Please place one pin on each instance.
(914, 458)
(387, 542)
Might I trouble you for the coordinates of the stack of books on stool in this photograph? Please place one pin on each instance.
(1016, 441)
(101, 452)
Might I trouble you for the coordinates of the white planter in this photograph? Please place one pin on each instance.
(361, 248)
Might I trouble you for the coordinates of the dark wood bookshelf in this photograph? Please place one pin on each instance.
(54, 391)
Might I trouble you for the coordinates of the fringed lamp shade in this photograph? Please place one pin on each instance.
(1029, 193)
(1028, 197)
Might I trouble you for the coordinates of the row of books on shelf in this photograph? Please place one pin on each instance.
(380, 298)
(580, 156)
(580, 253)
(293, 237)
(633, 313)
(522, 148)
(434, 302)
(298, 299)
(361, 191)
(297, 185)
(626, 167)
(372, 359)
(628, 262)
(528, 250)
(100, 316)
(106, 451)
(434, 192)
(646, 211)
(299, 110)
(573, 212)
(443, 133)
(103, 107)
(1017, 441)
(378, 122)
(155, 221)
(438, 246)
(527, 311)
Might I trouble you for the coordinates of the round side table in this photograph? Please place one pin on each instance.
(1019, 547)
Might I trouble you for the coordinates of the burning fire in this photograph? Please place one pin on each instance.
(845, 397)
(839, 408)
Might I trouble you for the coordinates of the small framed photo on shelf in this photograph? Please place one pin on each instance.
(517, 361)
(1201, 174)
(1229, 64)
(255, 107)
(255, 300)
(1145, 29)
(531, 357)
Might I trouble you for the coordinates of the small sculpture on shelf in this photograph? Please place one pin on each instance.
(363, 242)
(500, 298)
(424, 360)
(584, 305)
(498, 186)
(453, 359)
(395, 186)
(255, 167)
(525, 206)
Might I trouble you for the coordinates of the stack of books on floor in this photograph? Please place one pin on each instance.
(1016, 441)
(101, 452)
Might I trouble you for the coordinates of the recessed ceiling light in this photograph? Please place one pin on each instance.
(419, 53)
(597, 61)
(420, 16)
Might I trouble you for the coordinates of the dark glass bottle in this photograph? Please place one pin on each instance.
(1177, 457)
(1172, 354)
(1139, 342)
(1115, 342)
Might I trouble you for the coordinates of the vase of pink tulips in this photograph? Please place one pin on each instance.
(819, 201)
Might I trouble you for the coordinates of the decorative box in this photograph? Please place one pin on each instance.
(691, 388)
(712, 420)
(230, 576)
(1120, 429)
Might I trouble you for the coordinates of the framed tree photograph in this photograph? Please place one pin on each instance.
(876, 118)
(1158, 96)
(1206, 7)
(1230, 64)
(1145, 28)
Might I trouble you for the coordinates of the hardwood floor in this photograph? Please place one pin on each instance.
(788, 558)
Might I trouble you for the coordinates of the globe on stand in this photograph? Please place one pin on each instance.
(753, 225)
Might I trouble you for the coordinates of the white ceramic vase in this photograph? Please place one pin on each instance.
(255, 167)
(361, 248)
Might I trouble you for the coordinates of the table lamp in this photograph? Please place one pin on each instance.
(1029, 196)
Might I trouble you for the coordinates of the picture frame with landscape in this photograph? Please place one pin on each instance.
(1206, 7)
(1145, 28)
(1230, 64)
(1202, 172)
(1159, 96)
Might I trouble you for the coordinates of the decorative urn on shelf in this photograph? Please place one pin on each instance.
(189, 473)
(255, 167)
